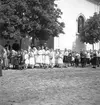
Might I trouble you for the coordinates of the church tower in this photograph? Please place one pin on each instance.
(75, 13)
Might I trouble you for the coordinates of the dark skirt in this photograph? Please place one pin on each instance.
(76, 61)
(12, 60)
(65, 59)
(94, 60)
(99, 60)
(15, 61)
(88, 60)
(69, 59)
(83, 62)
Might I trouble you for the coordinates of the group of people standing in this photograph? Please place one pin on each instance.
(39, 57)
(44, 57)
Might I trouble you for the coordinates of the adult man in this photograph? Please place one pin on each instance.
(16, 46)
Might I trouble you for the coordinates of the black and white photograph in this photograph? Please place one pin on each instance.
(49, 52)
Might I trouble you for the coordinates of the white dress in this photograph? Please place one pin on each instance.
(60, 59)
(27, 59)
(73, 58)
(52, 56)
(88, 55)
(35, 56)
(43, 56)
(47, 57)
(99, 54)
(56, 58)
(32, 60)
(5, 58)
(39, 57)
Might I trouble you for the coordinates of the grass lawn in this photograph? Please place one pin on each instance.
(70, 86)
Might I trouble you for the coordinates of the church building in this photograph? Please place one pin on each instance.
(75, 13)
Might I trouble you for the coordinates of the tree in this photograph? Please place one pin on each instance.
(36, 18)
(91, 30)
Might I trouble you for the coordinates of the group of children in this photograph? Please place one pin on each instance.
(45, 58)
(41, 57)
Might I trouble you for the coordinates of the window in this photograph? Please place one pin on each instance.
(81, 22)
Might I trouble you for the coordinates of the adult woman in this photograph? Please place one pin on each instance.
(26, 59)
(65, 58)
(60, 59)
(47, 57)
(43, 56)
(5, 59)
(39, 57)
(32, 59)
(94, 59)
(56, 57)
(52, 58)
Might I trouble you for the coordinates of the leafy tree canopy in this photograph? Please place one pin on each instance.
(91, 30)
(37, 18)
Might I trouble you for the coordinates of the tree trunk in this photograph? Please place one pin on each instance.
(33, 42)
(20, 43)
(99, 45)
(93, 47)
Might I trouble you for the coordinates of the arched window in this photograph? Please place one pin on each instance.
(81, 22)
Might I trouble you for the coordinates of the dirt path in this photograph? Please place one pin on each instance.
(78, 86)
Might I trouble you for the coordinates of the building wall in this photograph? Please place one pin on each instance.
(49, 43)
(25, 42)
(3, 41)
(72, 9)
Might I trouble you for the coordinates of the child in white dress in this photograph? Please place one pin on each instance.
(52, 58)
(26, 59)
(5, 59)
(60, 59)
(56, 57)
(47, 57)
(32, 60)
(43, 56)
(39, 57)
(35, 55)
